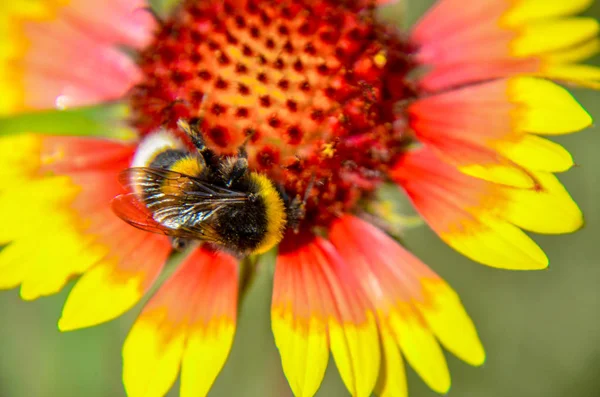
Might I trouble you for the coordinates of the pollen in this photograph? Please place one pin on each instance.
(328, 150)
(310, 86)
(380, 59)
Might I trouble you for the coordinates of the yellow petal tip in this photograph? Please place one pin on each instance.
(477, 359)
(64, 325)
(547, 108)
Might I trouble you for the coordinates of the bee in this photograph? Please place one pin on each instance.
(198, 195)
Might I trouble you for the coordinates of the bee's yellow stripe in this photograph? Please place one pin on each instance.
(275, 213)
(189, 166)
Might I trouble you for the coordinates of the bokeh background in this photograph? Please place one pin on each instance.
(541, 329)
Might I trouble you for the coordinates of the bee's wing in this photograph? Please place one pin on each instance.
(128, 208)
(155, 180)
(176, 205)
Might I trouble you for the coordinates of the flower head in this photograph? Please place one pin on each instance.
(328, 104)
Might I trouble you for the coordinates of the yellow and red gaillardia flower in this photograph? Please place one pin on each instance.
(335, 102)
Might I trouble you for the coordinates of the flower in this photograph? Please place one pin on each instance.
(335, 103)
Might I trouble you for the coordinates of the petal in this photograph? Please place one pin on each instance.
(414, 305)
(47, 223)
(125, 22)
(449, 75)
(299, 323)
(448, 320)
(352, 331)
(442, 20)
(529, 209)
(184, 321)
(392, 379)
(476, 127)
(154, 347)
(56, 75)
(12, 15)
(41, 64)
(32, 259)
(536, 153)
(212, 324)
(554, 36)
(118, 281)
(420, 347)
(71, 211)
(19, 159)
(314, 293)
(132, 259)
(548, 108)
(502, 38)
(84, 159)
(492, 111)
(467, 213)
(576, 53)
(24, 192)
(531, 10)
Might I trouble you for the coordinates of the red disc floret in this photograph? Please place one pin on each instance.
(311, 86)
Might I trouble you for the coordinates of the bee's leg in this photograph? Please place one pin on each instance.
(192, 130)
(295, 211)
(281, 190)
(296, 208)
(309, 188)
(238, 170)
(242, 152)
(240, 167)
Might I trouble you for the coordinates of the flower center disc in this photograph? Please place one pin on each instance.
(314, 85)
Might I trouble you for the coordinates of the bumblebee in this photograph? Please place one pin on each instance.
(198, 195)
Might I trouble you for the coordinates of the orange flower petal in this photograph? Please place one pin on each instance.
(190, 322)
(392, 377)
(413, 304)
(316, 300)
(352, 331)
(12, 15)
(530, 209)
(117, 282)
(71, 210)
(501, 38)
(50, 78)
(299, 324)
(483, 128)
(31, 258)
(467, 213)
(126, 22)
(212, 325)
(131, 260)
(41, 64)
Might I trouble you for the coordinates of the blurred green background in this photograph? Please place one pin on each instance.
(541, 329)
